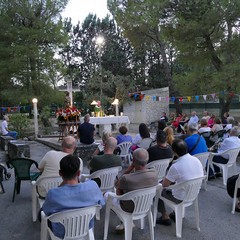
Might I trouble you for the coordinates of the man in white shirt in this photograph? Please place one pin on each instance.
(193, 118)
(50, 163)
(228, 143)
(186, 167)
(5, 130)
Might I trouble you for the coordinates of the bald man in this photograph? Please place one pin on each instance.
(108, 159)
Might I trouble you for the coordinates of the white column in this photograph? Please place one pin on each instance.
(69, 89)
(35, 111)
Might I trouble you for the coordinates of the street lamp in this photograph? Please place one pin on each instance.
(34, 101)
(100, 43)
(116, 102)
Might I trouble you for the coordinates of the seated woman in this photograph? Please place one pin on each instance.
(177, 120)
(170, 135)
(123, 137)
(211, 120)
(215, 128)
(100, 148)
(204, 126)
(182, 122)
(142, 139)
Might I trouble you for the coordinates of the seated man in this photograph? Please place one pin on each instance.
(137, 176)
(185, 168)
(71, 194)
(50, 163)
(193, 118)
(162, 150)
(86, 131)
(108, 159)
(195, 142)
(5, 130)
(228, 143)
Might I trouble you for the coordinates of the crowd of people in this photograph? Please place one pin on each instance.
(177, 138)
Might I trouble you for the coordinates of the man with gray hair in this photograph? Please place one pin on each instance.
(5, 130)
(86, 131)
(228, 143)
(137, 176)
(193, 118)
(196, 143)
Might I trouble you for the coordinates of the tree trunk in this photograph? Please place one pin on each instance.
(225, 105)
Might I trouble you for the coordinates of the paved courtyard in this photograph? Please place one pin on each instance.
(216, 220)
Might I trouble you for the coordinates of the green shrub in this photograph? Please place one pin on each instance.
(45, 115)
(19, 122)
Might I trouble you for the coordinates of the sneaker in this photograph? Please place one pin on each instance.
(120, 228)
(165, 222)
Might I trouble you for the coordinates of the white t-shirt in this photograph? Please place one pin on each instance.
(4, 127)
(51, 163)
(185, 168)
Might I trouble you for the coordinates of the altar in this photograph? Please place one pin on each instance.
(105, 123)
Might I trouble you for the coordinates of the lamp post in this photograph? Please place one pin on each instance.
(116, 102)
(35, 116)
(100, 43)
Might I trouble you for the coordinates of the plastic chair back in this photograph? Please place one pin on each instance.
(232, 155)
(145, 143)
(39, 192)
(75, 221)
(142, 199)
(125, 148)
(161, 166)
(22, 168)
(107, 177)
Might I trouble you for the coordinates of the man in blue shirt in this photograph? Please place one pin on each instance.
(86, 131)
(71, 194)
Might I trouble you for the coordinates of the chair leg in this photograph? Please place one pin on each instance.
(234, 199)
(197, 213)
(128, 225)
(179, 217)
(34, 204)
(150, 220)
(14, 190)
(142, 221)
(91, 234)
(2, 188)
(18, 186)
(225, 174)
(106, 223)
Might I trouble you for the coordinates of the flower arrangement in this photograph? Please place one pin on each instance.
(70, 114)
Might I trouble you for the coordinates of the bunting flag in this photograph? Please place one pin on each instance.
(15, 109)
(213, 95)
(139, 97)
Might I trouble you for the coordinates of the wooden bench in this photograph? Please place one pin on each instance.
(4, 142)
(17, 148)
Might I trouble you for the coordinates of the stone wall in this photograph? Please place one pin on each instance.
(147, 111)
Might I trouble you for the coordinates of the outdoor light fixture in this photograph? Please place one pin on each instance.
(115, 102)
(34, 101)
(93, 102)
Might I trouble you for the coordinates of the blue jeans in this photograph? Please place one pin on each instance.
(12, 134)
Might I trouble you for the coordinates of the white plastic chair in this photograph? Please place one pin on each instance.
(46, 183)
(145, 143)
(232, 157)
(191, 189)
(203, 157)
(237, 186)
(75, 221)
(107, 177)
(125, 152)
(142, 199)
(161, 166)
